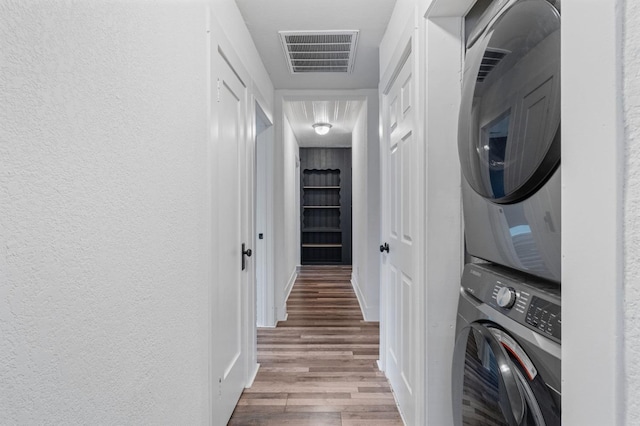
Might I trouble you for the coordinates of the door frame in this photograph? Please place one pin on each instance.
(436, 40)
(219, 45)
(406, 50)
(265, 291)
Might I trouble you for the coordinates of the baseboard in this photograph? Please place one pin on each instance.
(292, 281)
(368, 313)
(253, 376)
(281, 310)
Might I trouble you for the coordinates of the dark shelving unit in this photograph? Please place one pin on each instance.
(325, 206)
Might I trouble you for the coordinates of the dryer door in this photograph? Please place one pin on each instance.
(495, 383)
(509, 126)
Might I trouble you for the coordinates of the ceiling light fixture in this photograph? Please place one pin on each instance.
(322, 128)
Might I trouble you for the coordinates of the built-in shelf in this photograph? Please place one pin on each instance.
(325, 206)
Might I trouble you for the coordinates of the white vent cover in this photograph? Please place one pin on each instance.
(319, 51)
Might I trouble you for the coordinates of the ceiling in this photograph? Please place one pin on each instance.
(342, 115)
(266, 18)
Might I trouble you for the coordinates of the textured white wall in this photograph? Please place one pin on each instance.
(631, 54)
(103, 189)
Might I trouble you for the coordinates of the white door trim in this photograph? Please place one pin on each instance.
(406, 50)
(220, 45)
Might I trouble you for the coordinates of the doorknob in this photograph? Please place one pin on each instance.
(247, 253)
(384, 247)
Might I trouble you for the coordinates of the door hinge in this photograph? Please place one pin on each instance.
(218, 90)
(220, 387)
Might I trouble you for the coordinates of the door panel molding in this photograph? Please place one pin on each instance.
(401, 328)
(232, 166)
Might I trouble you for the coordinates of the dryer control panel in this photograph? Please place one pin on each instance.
(532, 302)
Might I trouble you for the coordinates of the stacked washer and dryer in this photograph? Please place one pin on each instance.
(506, 367)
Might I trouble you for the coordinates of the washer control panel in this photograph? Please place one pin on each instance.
(532, 302)
(506, 297)
(545, 316)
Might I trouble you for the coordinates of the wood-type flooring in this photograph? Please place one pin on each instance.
(319, 366)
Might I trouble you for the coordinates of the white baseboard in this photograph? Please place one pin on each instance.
(292, 281)
(252, 378)
(281, 310)
(369, 313)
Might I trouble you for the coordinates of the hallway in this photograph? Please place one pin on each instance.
(319, 366)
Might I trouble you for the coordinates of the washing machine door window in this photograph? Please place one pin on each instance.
(509, 126)
(487, 386)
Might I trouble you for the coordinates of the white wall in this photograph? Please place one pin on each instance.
(103, 294)
(286, 210)
(631, 61)
(444, 249)
(592, 182)
(365, 157)
(104, 266)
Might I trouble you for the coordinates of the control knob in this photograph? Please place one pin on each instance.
(506, 297)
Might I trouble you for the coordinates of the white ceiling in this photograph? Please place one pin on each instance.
(342, 115)
(265, 18)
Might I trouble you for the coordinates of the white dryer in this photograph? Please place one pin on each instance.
(509, 137)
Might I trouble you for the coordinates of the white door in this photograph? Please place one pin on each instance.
(399, 232)
(229, 345)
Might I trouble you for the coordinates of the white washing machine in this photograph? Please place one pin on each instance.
(506, 362)
(509, 137)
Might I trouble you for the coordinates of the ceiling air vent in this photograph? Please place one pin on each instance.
(490, 60)
(319, 51)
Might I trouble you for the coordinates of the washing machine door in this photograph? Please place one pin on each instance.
(509, 124)
(495, 383)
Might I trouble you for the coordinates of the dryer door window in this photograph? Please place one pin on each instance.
(485, 388)
(509, 127)
(493, 386)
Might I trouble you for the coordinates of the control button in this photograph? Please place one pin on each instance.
(506, 297)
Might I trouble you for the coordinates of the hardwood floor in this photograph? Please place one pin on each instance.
(319, 367)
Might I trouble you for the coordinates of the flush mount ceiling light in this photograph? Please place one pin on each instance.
(321, 128)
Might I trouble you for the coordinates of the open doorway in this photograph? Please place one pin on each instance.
(265, 303)
(325, 206)
(353, 126)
